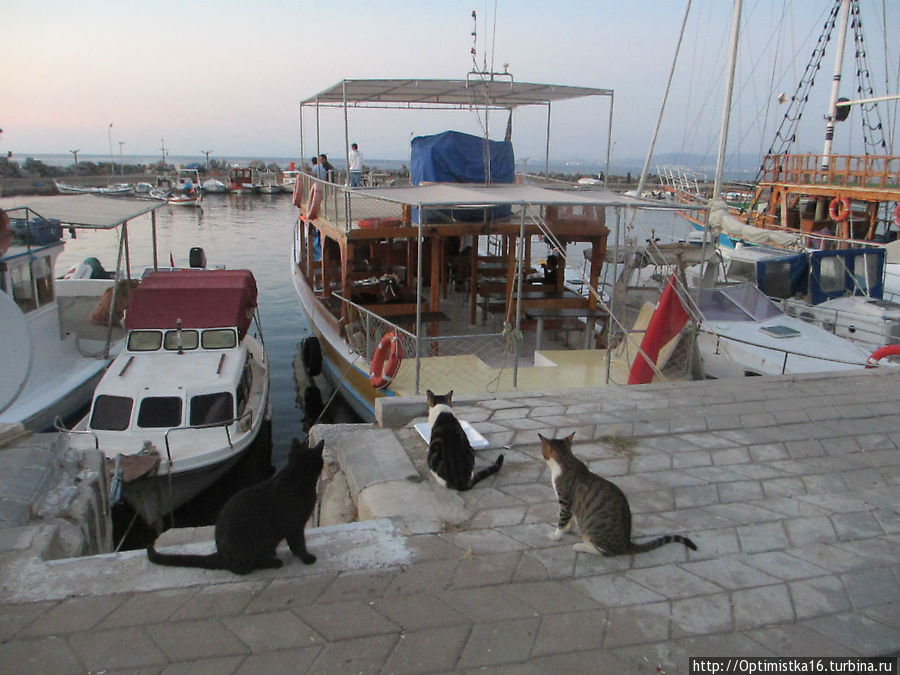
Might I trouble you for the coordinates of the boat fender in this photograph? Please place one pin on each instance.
(896, 218)
(382, 374)
(839, 209)
(314, 201)
(878, 354)
(313, 407)
(311, 354)
(5, 232)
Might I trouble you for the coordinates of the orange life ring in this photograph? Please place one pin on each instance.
(880, 353)
(381, 374)
(5, 232)
(839, 209)
(897, 215)
(296, 198)
(314, 201)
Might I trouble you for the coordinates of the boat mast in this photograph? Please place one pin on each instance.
(835, 84)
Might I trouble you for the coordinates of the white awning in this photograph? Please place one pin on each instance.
(83, 211)
(474, 195)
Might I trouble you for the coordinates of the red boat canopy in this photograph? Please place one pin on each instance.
(200, 298)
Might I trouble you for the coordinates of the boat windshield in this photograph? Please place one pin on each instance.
(111, 413)
(744, 302)
(183, 339)
(159, 411)
(144, 340)
(219, 338)
(212, 408)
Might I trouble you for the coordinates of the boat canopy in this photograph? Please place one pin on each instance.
(470, 194)
(199, 298)
(93, 212)
(405, 93)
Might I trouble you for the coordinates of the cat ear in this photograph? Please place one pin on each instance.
(543, 440)
(450, 397)
(569, 439)
(319, 447)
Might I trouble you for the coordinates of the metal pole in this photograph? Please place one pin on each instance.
(153, 234)
(520, 280)
(346, 133)
(835, 85)
(111, 164)
(547, 147)
(302, 148)
(662, 107)
(609, 140)
(612, 296)
(121, 161)
(419, 299)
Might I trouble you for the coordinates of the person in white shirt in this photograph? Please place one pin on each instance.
(356, 166)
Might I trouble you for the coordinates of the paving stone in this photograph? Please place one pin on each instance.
(557, 562)
(499, 517)
(147, 608)
(484, 570)
(698, 495)
(795, 639)
(417, 611)
(486, 604)
(868, 587)
(14, 617)
(552, 597)
(730, 456)
(729, 573)
(762, 606)
(533, 535)
(570, 632)
(612, 590)
(345, 620)
(686, 460)
(272, 630)
(742, 513)
(860, 525)
(783, 487)
(701, 615)
(714, 543)
(637, 625)
(360, 655)
(499, 642)
(74, 614)
(116, 649)
(784, 566)
(428, 651)
(809, 530)
(357, 585)
(216, 666)
(44, 655)
(832, 558)
(763, 537)
(219, 600)
(768, 452)
(189, 640)
(858, 632)
(672, 582)
(819, 596)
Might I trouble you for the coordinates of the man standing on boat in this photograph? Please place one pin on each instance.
(355, 166)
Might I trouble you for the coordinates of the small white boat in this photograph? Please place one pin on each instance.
(66, 189)
(288, 179)
(214, 185)
(186, 191)
(57, 340)
(189, 393)
(190, 199)
(117, 190)
(267, 183)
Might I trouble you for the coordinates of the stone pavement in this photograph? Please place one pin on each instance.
(789, 487)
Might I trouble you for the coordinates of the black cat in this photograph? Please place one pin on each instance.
(450, 455)
(255, 520)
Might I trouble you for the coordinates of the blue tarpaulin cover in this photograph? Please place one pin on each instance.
(455, 157)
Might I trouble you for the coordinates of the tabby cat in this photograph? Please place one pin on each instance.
(599, 507)
(255, 520)
(450, 455)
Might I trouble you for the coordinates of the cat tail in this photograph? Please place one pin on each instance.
(208, 562)
(484, 473)
(662, 541)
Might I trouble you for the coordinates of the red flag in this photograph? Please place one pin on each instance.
(667, 321)
(171, 260)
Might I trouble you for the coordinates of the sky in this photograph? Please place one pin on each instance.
(228, 76)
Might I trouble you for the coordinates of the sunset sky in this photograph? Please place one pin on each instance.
(228, 76)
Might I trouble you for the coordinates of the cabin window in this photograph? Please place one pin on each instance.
(189, 339)
(144, 340)
(160, 411)
(219, 338)
(866, 270)
(22, 288)
(111, 413)
(777, 280)
(212, 408)
(43, 279)
(243, 390)
(831, 275)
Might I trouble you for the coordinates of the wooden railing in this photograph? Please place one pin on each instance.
(864, 171)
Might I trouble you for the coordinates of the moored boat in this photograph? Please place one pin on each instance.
(240, 179)
(188, 394)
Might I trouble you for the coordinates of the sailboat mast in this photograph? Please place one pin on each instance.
(835, 84)
(726, 108)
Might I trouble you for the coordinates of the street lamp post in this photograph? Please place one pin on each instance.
(207, 153)
(121, 162)
(75, 153)
(109, 133)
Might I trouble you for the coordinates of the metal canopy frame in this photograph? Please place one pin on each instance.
(415, 94)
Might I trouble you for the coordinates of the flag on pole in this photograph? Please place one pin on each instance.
(667, 321)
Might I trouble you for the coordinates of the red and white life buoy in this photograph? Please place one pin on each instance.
(839, 209)
(297, 197)
(897, 215)
(381, 374)
(880, 353)
(314, 201)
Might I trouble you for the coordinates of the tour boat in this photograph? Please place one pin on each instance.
(189, 392)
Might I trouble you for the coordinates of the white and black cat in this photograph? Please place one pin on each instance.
(450, 455)
(599, 507)
(255, 520)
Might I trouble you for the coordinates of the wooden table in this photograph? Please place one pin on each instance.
(543, 313)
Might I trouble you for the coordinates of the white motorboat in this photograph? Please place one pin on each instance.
(267, 183)
(186, 191)
(54, 352)
(214, 185)
(188, 395)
